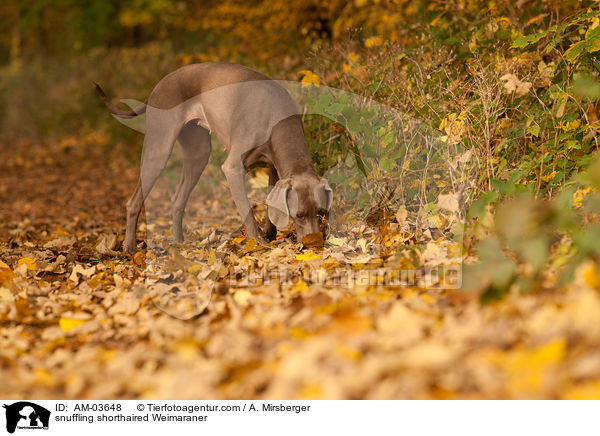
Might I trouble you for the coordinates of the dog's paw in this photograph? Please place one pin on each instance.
(178, 239)
(259, 238)
(130, 247)
(255, 233)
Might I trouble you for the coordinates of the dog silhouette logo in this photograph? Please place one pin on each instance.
(26, 415)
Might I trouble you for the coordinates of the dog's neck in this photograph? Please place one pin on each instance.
(291, 156)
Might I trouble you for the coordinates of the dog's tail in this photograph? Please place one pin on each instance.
(115, 110)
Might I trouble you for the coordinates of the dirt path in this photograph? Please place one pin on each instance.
(79, 319)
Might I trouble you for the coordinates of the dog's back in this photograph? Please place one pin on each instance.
(192, 80)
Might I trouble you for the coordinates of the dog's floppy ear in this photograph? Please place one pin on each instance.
(278, 209)
(328, 193)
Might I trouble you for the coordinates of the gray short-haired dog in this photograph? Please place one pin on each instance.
(257, 122)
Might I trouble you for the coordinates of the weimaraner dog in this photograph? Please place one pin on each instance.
(259, 125)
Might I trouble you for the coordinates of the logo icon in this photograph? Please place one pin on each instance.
(26, 415)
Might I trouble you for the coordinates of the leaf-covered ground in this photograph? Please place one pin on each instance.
(82, 320)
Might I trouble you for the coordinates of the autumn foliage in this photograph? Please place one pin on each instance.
(510, 92)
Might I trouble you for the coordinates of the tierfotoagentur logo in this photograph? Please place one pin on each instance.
(25, 415)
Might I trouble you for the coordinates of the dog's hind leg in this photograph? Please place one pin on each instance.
(158, 144)
(195, 149)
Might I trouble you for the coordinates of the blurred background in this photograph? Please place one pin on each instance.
(428, 58)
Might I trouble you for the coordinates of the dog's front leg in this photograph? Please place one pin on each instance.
(269, 228)
(235, 172)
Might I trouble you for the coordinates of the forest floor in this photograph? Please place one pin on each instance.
(80, 319)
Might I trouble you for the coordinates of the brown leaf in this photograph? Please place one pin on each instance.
(313, 240)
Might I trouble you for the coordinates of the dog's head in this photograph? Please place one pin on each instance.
(305, 198)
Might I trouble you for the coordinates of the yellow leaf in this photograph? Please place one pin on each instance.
(43, 377)
(253, 245)
(552, 352)
(309, 255)
(67, 324)
(310, 392)
(351, 324)
(211, 257)
(435, 221)
(194, 269)
(186, 349)
(309, 78)
(579, 195)
(59, 231)
(428, 299)
(299, 333)
(352, 57)
(30, 262)
(139, 258)
(108, 355)
(587, 274)
(330, 263)
(374, 41)
(504, 22)
(96, 280)
(186, 59)
(301, 286)
(535, 19)
(586, 391)
(529, 370)
(242, 297)
(435, 21)
(6, 274)
(260, 179)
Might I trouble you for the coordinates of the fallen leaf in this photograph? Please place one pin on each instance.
(78, 270)
(28, 261)
(128, 304)
(6, 295)
(242, 297)
(339, 242)
(308, 256)
(61, 242)
(301, 286)
(67, 324)
(253, 245)
(313, 240)
(107, 244)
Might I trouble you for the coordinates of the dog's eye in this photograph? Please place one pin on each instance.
(300, 216)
